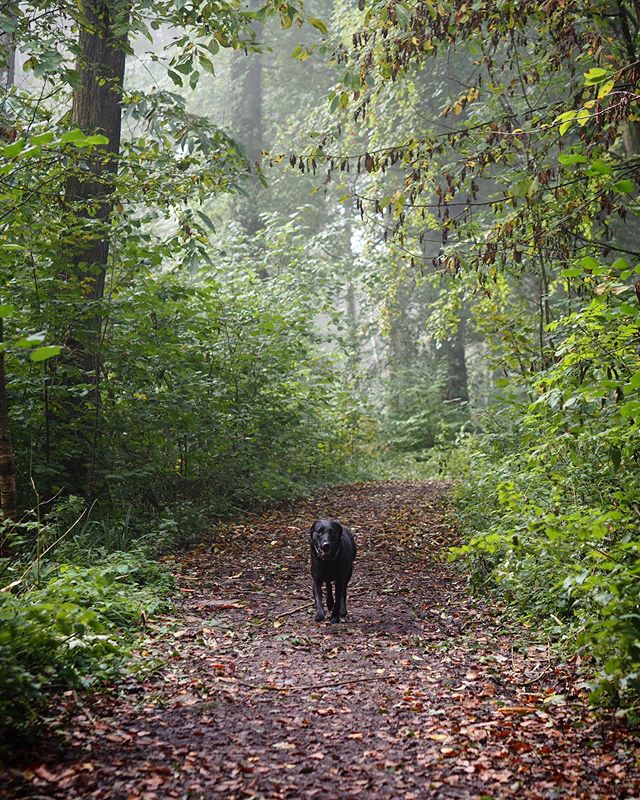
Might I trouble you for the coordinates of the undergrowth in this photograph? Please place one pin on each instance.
(552, 528)
(72, 627)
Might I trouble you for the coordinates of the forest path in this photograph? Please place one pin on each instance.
(420, 694)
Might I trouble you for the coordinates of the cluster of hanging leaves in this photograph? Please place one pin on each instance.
(519, 180)
(525, 102)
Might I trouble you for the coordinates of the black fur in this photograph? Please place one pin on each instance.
(333, 551)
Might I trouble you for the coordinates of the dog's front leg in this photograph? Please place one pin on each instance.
(343, 601)
(335, 613)
(317, 596)
(329, 596)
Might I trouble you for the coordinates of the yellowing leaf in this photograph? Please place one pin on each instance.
(582, 117)
(319, 25)
(605, 89)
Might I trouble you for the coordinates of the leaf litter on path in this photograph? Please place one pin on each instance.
(422, 693)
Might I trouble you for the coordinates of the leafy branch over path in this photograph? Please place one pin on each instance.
(424, 692)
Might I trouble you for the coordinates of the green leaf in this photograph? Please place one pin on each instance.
(620, 264)
(606, 89)
(616, 456)
(630, 409)
(6, 309)
(300, 52)
(589, 262)
(207, 220)
(572, 272)
(43, 353)
(30, 341)
(73, 136)
(97, 138)
(12, 150)
(319, 25)
(566, 159)
(595, 75)
(42, 138)
(627, 186)
(206, 64)
(599, 168)
(582, 117)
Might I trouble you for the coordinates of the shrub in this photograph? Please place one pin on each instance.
(74, 630)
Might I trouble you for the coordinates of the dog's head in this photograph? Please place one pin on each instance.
(326, 535)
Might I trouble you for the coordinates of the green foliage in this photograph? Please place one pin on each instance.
(73, 630)
(419, 417)
(552, 490)
(528, 177)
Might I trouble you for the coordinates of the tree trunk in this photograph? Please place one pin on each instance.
(452, 354)
(7, 61)
(8, 500)
(96, 108)
(248, 124)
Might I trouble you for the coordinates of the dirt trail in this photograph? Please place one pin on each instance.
(420, 694)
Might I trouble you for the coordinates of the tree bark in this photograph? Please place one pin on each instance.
(7, 61)
(96, 108)
(453, 355)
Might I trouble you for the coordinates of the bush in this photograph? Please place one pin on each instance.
(559, 544)
(74, 630)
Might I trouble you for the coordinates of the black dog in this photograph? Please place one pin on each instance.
(333, 550)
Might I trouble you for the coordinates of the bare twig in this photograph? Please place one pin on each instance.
(293, 611)
(536, 678)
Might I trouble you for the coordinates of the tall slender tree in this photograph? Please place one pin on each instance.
(96, 108)
(8, 502)
(248, 123)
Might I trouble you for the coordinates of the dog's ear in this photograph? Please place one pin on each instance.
(336, 527)
(313, 529)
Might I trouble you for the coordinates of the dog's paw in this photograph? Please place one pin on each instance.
(334, 620)
(319, 616)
